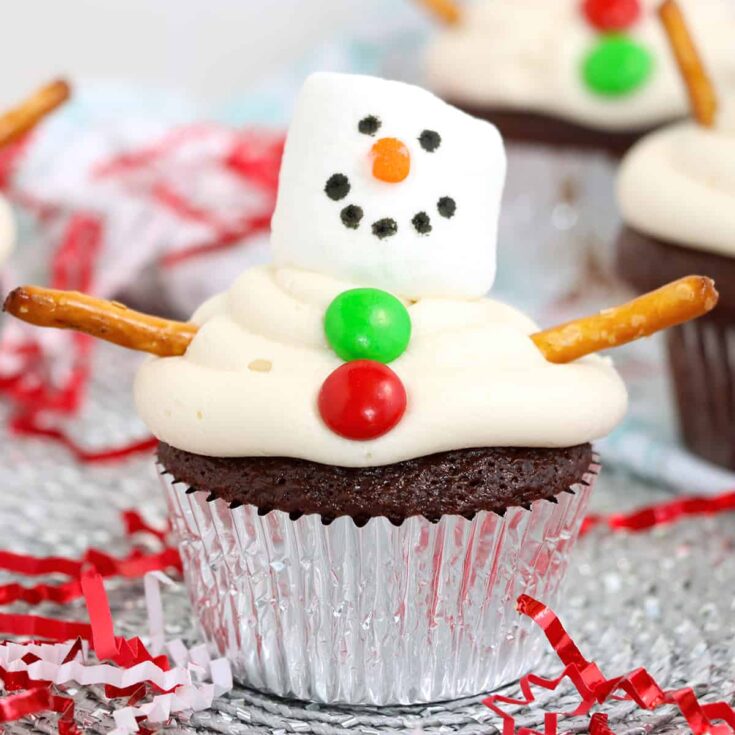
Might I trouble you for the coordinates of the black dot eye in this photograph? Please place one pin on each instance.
(430, 140)
(385, 228)
(422, 223)
(369, 125)
(338, 187)
(447, 207)
(351, 216)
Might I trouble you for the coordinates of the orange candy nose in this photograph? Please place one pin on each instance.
(391, 160)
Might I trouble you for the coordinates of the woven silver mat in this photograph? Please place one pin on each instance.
(664, 600)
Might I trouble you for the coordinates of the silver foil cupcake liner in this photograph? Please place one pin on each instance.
(702, 360)
(382, 614)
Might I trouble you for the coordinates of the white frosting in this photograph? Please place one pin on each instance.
(248, 384)
(678, 184)
(457, 258)
(7, 231)
(527, 55)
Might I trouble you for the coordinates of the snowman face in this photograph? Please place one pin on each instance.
(383, 184)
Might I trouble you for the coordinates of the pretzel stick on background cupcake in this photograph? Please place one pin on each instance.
(702, 95)
(17, 122)
(675, 303)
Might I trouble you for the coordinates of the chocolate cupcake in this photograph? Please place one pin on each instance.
(677, 195)
(571, 84)
(364, 459)
(313, 558)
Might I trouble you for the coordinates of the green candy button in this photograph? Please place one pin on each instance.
(367, 324)
(617, 66)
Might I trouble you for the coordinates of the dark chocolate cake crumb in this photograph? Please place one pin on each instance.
(461, 482)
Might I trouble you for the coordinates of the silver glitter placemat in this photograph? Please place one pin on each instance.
(663, 599)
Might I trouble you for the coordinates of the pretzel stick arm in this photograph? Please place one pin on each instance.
(673, 304)
(18, 121)
(676, 303)
(106, 320)
(702, 95)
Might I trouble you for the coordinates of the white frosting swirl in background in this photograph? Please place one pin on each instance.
(473, 378)
(527, 55)
(678, 184)
(7, 231)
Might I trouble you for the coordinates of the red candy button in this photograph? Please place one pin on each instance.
(362, 399)
(612, 15)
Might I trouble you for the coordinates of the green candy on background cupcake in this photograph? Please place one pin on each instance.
(366, 461)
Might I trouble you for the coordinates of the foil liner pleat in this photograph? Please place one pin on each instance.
(383, 614)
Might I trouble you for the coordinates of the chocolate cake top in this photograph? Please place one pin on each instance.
(459, 482)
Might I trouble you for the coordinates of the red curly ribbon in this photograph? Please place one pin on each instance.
(27, 426)
(87, 575)
(39, 696)
(598, 724)
(42, 628)
(36, 700)
(135, 523)
(255, 156)
(594, 689)
(72, 267)
(664, 513)
(135, 565)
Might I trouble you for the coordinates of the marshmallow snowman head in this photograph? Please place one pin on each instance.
(383, 184)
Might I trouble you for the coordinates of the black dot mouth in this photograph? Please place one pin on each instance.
(447, 207)
(337, 187)
(385, 227)
(351, 216)
(422, 223)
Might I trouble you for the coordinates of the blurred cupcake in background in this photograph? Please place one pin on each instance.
(571, 84)
(676, 191)
(677, 194)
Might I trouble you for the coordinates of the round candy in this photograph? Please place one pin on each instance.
(367, 324)
(612, 15)
(391, 160)
(362, 400)
(617, 66)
